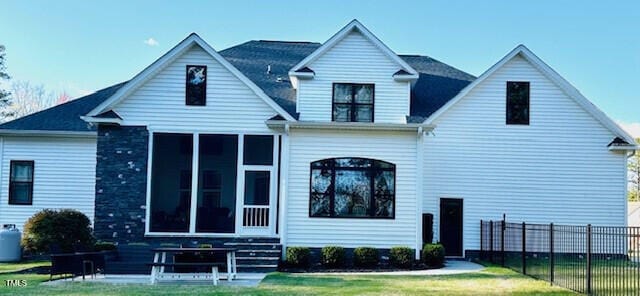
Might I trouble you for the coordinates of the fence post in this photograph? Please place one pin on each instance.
(524, 248)
(481, 240)
(589, 259)
(551, 256)
(502, 229)
(491, 241)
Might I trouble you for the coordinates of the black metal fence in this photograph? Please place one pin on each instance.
(594, 260)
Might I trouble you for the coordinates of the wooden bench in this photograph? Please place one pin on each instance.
(158, 273)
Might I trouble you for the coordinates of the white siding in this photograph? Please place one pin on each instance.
(64, 175)
(354, 59)
(160, 102)
(557, 169)
(309, 146)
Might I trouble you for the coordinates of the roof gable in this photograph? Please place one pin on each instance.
(550, 74)
(353, 26)
(172, 55)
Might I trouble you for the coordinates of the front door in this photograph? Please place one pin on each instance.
(451, 225)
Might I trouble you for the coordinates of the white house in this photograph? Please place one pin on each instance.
(306, 144)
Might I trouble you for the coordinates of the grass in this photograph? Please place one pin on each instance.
(490, 281)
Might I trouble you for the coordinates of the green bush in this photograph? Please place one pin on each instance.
(333, 256)
(433, 254)
(298, 256)
(65, 228)
(104, 246)
(401, 257)
(365, 257)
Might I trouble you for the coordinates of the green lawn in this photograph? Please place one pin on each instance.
(491, 281)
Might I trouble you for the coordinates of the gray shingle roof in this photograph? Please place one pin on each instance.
(63, 117)
(437, 84)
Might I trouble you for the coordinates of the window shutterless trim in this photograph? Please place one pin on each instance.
(353, 104)
(333, 168)
(186, 85)
(11, 182)
(507, 121)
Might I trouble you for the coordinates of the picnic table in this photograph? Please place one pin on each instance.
(160, 262)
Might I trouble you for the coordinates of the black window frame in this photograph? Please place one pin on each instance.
(11, 200)
(186, 86)
(509, 104)
(353, 104)
(373, 170)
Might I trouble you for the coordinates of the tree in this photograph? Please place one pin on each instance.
(634, 176)
(5, 96)
(28, 98)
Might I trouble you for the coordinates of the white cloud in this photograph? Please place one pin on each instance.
(632, 128)
(151, 42)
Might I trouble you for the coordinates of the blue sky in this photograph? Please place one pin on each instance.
(81, 46)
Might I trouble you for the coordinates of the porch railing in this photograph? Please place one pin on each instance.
(256, 216)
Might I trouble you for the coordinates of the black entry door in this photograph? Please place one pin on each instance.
(451, 225)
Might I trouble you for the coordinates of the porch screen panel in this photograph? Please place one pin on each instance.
(217, 166)
(171, 182)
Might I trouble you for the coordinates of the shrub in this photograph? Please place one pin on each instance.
(298, 256)
(104, 246)
(365, 257)
(333, 256)
(65, 229)
(401, 257)
(433, 254)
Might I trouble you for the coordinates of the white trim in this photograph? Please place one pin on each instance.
(273, 198)
(195, 176)
(240, 185)
(351, 26)
(284, 190)
(419, 190)
(623, 147)
(149, 168)
(92, 119)
(38, 133)
(552, 75)
(350, 125)
(169, 57)
(202, 234)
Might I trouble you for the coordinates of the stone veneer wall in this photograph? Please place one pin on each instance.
(121, 183)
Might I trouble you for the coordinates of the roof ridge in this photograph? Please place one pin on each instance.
(285, 41)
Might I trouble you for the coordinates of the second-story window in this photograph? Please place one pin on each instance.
(518, 102)
(353, 102)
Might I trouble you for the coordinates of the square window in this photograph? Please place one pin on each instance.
(258, 150)
(353, 102)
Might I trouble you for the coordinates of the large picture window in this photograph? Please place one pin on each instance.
(352, 188)
(21, 182)
(353, 102)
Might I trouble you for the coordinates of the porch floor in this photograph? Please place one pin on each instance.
(243, 280)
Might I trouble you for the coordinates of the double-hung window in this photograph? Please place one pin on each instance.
(353, 102)
(21, 182)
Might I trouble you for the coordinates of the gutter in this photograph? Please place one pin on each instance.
(39, 133)
(417, 127)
